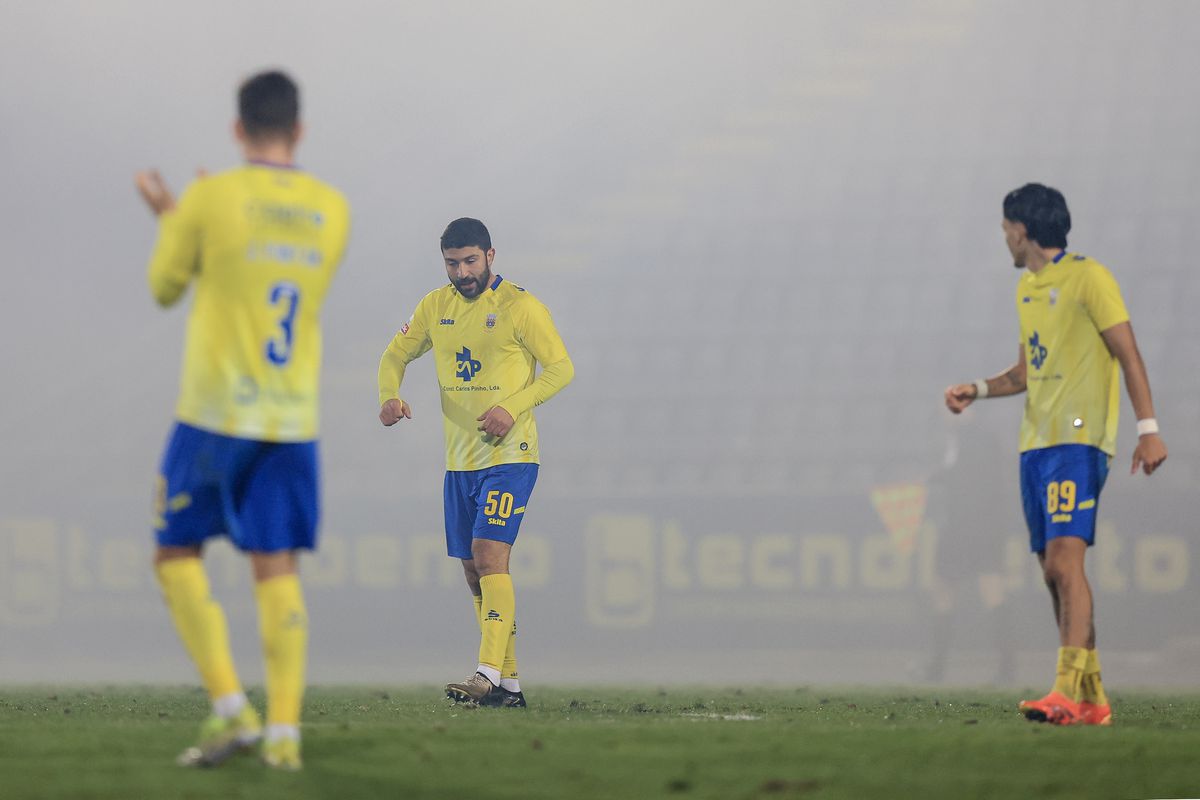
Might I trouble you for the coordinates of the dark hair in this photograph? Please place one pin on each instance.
(269, 104)
(466, 232)
(1042, 210)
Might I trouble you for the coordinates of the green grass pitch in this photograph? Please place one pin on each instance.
(573, 744)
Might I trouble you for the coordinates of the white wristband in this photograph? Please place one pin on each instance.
(981, 390)
(1148, 425)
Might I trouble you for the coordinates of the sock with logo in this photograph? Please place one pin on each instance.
(1093, 689)
(1071, 663)
(496, 618)
(283, 626)
(508, 672)
(201, 624)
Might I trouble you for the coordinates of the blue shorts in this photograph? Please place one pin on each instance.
(1060, 489)
(263, 495)
(486, 504)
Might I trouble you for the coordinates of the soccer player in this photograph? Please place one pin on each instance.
(486, 334)
(1075, 332)
(260, 243)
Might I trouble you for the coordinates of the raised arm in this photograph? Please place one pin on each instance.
(1011, 381)
(1150, 452)
(176, 255)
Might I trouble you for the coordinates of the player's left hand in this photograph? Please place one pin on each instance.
(495, 422)
(154, 191)
(1149, 454)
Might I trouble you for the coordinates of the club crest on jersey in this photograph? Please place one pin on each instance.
(1037, 351)
(465, 366)
(491, 321)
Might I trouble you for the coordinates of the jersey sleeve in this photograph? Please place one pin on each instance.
(410, 343)
(176, 257)
(536, 333)
(1102, 299)
(343, 238)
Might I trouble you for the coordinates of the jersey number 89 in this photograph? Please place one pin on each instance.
(1060, 497)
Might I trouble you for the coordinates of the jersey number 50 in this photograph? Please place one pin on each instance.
(279, 348)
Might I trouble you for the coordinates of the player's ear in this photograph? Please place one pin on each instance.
(490, 255)
(239, 131)
(297, 133)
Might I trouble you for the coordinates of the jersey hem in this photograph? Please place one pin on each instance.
(242, 434)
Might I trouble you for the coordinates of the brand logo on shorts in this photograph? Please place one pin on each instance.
(1037, 351)
(465, 366)
(497, 521)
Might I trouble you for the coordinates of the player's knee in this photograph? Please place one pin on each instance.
(490, 566)
(272, 565)
(1059, 573)
(490, 557)
(471, 574)
(165, 553)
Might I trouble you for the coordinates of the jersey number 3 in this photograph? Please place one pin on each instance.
(279, 348)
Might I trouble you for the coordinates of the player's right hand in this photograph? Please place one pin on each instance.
(959, 396)
(393, 411)
(154, 191)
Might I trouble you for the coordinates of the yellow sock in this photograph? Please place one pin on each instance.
(496, 616)
(1071, 662)
(200, 622)
(283, 626)
(508, 672)
(1093, 689)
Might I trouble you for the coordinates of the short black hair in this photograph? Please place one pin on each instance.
(1042, 210)
(466, 232)
(269, 104)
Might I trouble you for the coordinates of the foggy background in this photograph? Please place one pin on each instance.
(769, 233)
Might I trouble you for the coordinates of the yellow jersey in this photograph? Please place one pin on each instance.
(1072, 380)
(485, 349)
(261, 244)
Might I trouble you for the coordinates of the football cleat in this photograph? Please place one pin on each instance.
(503, 698)
(282, 753)
(221, 737)
(476, 689)
(1055, 708)
(1092, 714)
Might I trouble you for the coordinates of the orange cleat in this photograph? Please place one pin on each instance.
(1055, 708)
(1092, 714)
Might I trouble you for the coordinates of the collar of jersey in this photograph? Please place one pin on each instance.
(491, 287)
(1044, 275)
(255, 162)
